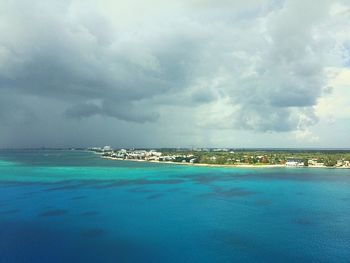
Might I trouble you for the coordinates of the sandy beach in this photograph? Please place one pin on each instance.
(202, 164)
(222, 165)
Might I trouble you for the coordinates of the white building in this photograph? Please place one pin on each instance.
(107, 148)
(294, 163)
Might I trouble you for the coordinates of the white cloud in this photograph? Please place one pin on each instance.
(337, 104)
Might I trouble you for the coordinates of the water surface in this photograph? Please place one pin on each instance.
(72, 206)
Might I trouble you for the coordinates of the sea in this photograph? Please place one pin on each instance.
(74, 206)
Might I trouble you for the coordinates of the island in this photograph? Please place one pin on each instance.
(233, 157)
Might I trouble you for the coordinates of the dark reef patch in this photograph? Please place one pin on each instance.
(213, 177)
(204, 178)
(74, 184)
(173, 190)
(64, 187)
(155, 196)
(120, 183)
(30, 193)
(56, 212)
(140, 190)
(232, 192)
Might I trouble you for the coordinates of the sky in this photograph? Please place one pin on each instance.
(184, 73)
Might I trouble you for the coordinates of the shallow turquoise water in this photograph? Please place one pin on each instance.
(59, 206)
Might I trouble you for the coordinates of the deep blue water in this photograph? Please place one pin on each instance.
(58, 206)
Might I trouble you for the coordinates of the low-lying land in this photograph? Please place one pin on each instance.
(234, 157)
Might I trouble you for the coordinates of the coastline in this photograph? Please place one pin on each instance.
(221, 165)
(200, 164)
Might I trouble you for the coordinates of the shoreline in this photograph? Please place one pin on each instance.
(222, 165)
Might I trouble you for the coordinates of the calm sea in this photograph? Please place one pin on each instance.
(71, 206)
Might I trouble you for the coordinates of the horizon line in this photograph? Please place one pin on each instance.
(185, 148)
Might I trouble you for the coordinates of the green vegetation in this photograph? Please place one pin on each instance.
(258, 157)
(261, 157)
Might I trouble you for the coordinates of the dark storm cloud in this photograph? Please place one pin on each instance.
(77, 63)
(13, 111)
(83, 110)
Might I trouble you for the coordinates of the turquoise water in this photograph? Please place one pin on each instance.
(71, 206)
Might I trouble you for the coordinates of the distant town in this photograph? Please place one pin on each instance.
(232, 157)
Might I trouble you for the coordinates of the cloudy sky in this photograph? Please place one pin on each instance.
(202, 73)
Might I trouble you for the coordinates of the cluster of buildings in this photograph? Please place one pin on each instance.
(101, 149)
(295, 163)
(146, 155)
(151, 155)
(316, 163)
(343, 163)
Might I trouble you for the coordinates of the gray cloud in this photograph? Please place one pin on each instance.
(265, 59)
(83, 110)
